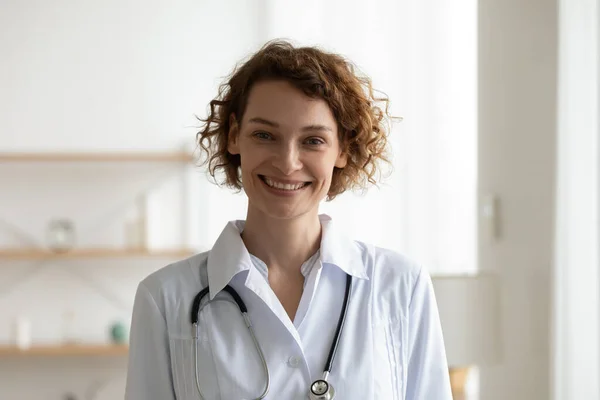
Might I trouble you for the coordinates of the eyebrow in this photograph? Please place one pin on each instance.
(313, 127)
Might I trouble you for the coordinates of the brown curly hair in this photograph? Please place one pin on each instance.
(362, 124)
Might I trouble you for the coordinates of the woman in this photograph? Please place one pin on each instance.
(330, 315)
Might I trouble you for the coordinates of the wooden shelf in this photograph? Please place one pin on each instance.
(97, 157)
(39, 254)
(65, 350)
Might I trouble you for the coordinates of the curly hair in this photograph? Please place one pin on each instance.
(362, 123)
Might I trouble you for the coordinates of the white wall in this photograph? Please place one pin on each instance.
(517, 133)
(110, 75)
(576, 305)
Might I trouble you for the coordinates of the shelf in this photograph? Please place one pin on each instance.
(39, 254)
(65, 350)
(97, 157)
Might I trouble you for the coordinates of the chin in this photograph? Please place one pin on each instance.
(283, 213)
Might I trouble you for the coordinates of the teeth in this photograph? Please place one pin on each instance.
(283, 186)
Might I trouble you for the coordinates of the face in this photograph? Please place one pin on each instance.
(288, 145)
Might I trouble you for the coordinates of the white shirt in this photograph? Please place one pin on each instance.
(391, 346)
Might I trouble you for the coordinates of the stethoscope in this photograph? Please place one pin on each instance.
(320, 389)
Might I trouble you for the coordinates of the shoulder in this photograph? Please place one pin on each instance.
(394, 278)
(175, 280)
(387, 264)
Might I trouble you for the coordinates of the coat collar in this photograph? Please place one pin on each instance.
(229, 255)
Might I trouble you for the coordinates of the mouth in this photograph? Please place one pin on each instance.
(285, 187)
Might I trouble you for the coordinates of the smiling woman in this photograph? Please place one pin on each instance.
(288, 145)
(344, 101)
(322, 315)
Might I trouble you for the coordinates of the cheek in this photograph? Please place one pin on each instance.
(250, 159)
(324, 171)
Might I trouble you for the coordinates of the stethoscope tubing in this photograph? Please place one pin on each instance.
(196, 333)
(340, 326)
(237, 300)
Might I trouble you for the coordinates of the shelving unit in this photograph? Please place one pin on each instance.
(65, 350)
(97, 157)
(42, 254)
(93, 157)
(91, 161)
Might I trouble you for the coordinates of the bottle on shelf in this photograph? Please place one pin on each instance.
(135, 228)
(69, 336)
(22, 332)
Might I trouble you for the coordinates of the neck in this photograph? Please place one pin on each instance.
(283, 244)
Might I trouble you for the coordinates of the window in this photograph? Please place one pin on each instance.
(423, 55)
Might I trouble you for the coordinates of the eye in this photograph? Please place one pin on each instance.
(314, 141)
(262, 135)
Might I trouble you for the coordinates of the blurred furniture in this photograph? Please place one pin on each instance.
(77, 350)
(64, 248)
(470, 315)
(43, 159)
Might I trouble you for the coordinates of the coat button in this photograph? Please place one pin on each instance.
(293, 361)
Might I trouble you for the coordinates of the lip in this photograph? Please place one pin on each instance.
(282, 192)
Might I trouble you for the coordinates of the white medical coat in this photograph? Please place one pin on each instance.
(391, 346)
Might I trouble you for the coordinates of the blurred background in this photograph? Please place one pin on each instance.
(494, 188)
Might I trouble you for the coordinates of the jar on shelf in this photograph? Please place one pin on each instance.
(61, 235)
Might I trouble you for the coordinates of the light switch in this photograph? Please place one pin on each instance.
(490, 217)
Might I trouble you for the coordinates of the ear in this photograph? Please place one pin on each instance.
(233, 146)
(342, 160)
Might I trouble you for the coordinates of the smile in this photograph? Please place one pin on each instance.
(290, 187)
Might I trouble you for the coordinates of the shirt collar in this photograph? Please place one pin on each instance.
(227, 258)
(313, 262)
(229, 255)
(339, 250)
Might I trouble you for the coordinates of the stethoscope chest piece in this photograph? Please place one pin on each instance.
(321, 390)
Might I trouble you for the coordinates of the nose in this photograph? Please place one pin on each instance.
(287, 159)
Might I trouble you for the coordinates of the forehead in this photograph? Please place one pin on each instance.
(281, 102)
